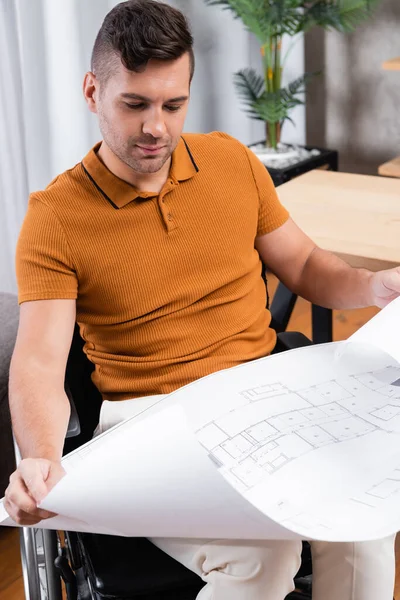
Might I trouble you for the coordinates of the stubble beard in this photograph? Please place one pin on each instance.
(146, 164)
(149, 164)
(123, 151)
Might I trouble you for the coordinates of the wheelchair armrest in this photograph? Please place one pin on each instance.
(74, 427)
(289, 340)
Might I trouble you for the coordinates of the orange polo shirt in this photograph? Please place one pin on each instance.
(168, 286)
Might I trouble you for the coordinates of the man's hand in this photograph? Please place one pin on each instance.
(29, 485)
(384, 287)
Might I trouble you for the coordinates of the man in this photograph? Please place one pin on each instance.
(153, 244)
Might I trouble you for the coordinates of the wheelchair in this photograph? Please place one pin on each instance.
(100, 567)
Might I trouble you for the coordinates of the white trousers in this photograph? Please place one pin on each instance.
(264, 570)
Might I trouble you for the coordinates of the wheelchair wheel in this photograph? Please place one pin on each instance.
(39, 549)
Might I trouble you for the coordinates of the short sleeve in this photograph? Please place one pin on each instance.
(44, 265)
(271, 213)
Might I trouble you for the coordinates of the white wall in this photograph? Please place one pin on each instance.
(362, 101)
(359, 100)
(294, 133)
(13, 180)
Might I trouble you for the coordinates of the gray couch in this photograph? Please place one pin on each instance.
(9, 313)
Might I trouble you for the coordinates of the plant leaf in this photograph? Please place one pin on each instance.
(275, 107)
(269, 19)
(249, 85)
(342, 15)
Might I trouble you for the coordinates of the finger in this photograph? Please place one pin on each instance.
(19, 497)
(34, 476)
(13, 476)
(17, 494)
(21, 517)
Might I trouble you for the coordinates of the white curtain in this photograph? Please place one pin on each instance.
(13, 172)
(45, 126)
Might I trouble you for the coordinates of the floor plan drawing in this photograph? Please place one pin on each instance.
(248, 442)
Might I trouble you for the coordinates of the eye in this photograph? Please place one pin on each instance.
(172, 108)
(135, 106)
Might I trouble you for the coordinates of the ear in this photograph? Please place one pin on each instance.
(90, 91)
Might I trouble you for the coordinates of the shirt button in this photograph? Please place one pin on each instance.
(170, 217)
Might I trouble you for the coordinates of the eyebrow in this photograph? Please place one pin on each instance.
(130, 96)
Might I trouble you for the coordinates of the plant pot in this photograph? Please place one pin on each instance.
(290, 161)
(282, 152)
(283, 156)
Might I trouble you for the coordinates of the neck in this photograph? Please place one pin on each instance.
(143, 182)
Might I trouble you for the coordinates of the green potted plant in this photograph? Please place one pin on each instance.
(263, 96)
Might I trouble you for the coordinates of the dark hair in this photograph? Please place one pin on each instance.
(137, 31)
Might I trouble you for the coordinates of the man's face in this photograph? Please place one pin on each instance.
(141, 115)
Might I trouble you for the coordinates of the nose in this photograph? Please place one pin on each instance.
(154, 124)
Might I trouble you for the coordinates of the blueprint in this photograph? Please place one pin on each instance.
(257, 448)
(303, 444)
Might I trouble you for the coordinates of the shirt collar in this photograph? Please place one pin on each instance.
(183, 165)
(119, 192)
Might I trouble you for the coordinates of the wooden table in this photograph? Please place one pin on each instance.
(390, 168)
(355, 216)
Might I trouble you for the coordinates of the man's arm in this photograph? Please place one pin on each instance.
(39, 406)
(320, 276)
